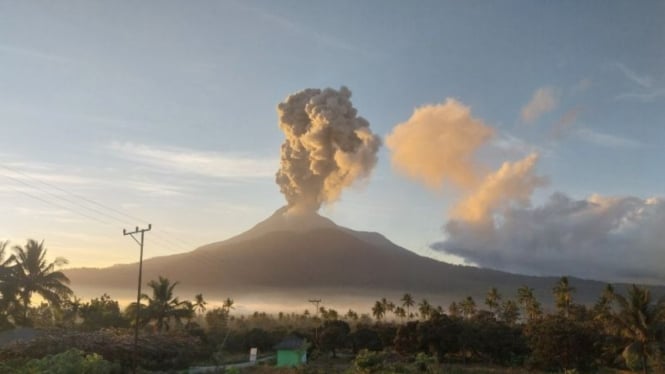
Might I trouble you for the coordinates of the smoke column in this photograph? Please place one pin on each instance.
(327, 147)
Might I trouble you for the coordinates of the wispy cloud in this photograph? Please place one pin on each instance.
(646, 92)
(641, 80)
(512, 146)
(544, 100)
(210, 164)
(645, 97)
(605, 139)
(35, 54)
(582, 85)
(155, 188)
(565, 123)
(316, 36)
(30, 172)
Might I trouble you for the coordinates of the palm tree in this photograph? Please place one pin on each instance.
(31, 274)
(351, 315)
(602, 310)
(563, 295)
(228, 304)
(162, 306)
(468, 307)
(378, 310)
(638, 320)
(425, 309)
(454, 309)
(199, 304)
(493, 300)
(388, 305)
(408, 302)
(509, 312)
(530, 305)
(9, 305)
(400, 313)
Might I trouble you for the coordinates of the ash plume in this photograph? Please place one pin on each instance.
(327, 147)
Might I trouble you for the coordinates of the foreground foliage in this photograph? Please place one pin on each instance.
(622, 331)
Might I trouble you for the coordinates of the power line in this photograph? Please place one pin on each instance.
(160, 237)
(94, 210)
(57, 205)
(73, 194)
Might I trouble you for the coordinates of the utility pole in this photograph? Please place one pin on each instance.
(316, 303)
(138, 296)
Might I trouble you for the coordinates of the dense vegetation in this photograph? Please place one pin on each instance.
(623, 330)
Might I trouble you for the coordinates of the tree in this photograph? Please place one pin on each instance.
(378, 310)
(493, 300)
(561, 343)
(228, 304)
(408, 302)
(530, 306)
(102, 312)
(217, 319)
(454, 309)
(32, 274)
(334, 335)
(509, 312)
(563, 296)
(199, 304)
(8, 289)
(400, 313)
(162, 305)
(70, 312)
(639, 320)
(468, 307)
(351, 315)
(388, 305)
(425, 309)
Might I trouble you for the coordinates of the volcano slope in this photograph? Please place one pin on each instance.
(290, 258)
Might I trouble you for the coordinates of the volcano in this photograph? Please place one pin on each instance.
(300, 256)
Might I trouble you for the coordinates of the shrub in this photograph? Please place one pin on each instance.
(156, 352)
(70, 361)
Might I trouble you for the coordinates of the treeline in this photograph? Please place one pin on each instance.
(623, 330)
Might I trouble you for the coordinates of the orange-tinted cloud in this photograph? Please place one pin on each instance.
(512, 183)
(437, 145)
(544, 100)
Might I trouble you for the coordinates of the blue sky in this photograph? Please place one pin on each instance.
(165, 111)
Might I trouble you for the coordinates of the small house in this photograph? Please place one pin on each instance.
(292, 351)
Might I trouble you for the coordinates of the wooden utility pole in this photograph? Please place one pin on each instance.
(138, 296)
(316, 303)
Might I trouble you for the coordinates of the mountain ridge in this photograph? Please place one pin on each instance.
(309, 254)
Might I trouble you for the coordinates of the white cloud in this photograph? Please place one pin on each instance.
(647, 92)
(582, 85)
(606, 140)
(30, 172)
(642, 80)
(565, 123)
(606, 238)
(154, 188)
(645, 97)
(210, 164)
(33, 53)
(544, 100)
(317, 37)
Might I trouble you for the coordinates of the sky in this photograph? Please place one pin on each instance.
(531, 134)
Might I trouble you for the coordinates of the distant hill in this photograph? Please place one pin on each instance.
(296, 257)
